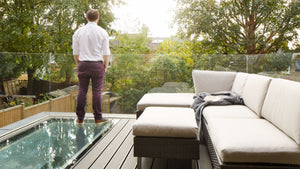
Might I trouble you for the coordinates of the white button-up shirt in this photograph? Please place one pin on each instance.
(90, 42)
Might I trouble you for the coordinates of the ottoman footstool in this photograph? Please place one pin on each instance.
(164, 100)
(166, 132)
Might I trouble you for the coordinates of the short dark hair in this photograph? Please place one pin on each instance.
(92, 15)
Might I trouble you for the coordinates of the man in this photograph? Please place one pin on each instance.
(91, 53)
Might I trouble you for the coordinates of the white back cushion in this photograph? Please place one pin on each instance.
(212, 81)
(282, 107)
(239, 83)
(255, 91)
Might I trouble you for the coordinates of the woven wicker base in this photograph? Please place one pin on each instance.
(184, 149)
(163, 147)
(217, 163)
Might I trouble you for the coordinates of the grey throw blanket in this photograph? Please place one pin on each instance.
(220, 98)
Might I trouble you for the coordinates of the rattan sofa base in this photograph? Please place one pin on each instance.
(186, 149)
(218, 164)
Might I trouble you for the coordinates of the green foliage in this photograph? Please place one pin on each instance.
(35, 26)
(9, 101)
(167, 68)
(131, 75)
(240, 27)
(269, 62)
(10, 66)
(132, 43)
(23, 30)
(296, 46)
(128, 76)
(65, 67)
(42, 98)
(221, 62)
(21, 26)
(177, 48)
(175, 60)
(245, 63)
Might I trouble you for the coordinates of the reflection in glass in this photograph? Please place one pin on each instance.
(52, 144)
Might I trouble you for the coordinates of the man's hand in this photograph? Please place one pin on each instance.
(105, 68)
(106, 62)
(76, 58)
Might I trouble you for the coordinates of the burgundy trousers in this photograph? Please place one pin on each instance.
(87, 70)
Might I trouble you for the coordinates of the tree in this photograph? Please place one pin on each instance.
(35, 26)
(129, 72)
(240, 26)
(169, 68)
(10, 66)
(174, 61)
(132, 43)
(177, 48)
(23, 31)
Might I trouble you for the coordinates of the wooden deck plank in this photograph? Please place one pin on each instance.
(121, 154)
(98, 149)
(115, 151)
(108, 153)
(130, 162)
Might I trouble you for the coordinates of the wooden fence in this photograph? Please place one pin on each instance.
(12, 87)
(65, 103)
(19, 112)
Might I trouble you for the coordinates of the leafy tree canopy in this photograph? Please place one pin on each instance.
(35, 26)
(177, 48)
(132, 43)
(240, 26)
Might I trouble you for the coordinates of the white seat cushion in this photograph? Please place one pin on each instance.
(282, 107)
(210, 113)
(255, 91)
(165, 100)
(253, 141)
(239, 83)
(166, 122)
(212, 81)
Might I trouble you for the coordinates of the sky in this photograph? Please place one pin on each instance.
(157, 15)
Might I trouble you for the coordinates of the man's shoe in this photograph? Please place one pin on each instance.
(100, 121)
(79, 121)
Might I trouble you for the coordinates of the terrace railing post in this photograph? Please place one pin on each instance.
(49, 72)
(50, 105)
(22, 110)
(70, 105)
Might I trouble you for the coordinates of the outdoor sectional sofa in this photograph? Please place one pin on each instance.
(262, 133)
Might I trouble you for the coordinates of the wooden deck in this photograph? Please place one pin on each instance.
(115, 151)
